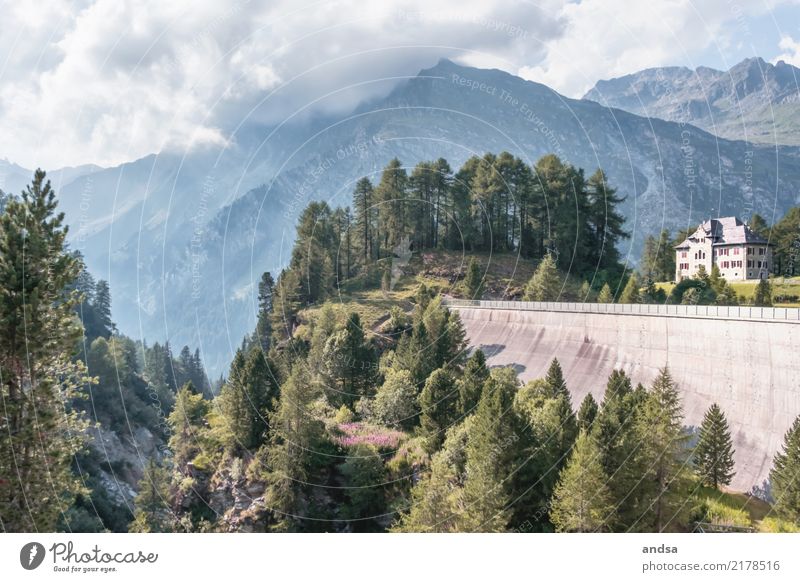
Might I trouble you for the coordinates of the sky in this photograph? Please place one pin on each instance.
(109, 81)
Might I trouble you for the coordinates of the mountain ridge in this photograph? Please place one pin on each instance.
(754, 100)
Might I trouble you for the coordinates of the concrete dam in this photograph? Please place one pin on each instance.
(744, 358)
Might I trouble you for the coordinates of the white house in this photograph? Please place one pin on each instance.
(728, 243)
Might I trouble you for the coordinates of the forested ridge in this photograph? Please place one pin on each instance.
(327, 423)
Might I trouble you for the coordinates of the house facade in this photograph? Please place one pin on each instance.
(728, 243)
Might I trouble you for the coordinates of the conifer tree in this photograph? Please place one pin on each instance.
(436, 503)
(473, 281)
(153, 502)
(266, 292)
(713, 455)
(630, 294)
(587, 412)
(296, 434)
(615, 431)
(763, 294)
(365, 478)
(551, 429)
(438, 403)
(187, 422)
(585, 292)
(391, 196)
(349, 363)
(582, 501)
(490, 456)
(605, 296)
(287, 304)
(661, 458)
(102, 307)
(605, 222)
(785, 475)
(470, 385)
(363, 204)
(545, 285)
(40, 432)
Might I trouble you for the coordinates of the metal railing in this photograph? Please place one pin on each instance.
(783, 314)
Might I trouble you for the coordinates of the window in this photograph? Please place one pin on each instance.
(761, 251)
(749, 251)
(749, 263)
(736, 251)
(683, 254)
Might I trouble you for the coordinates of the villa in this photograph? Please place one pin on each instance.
(728, 243)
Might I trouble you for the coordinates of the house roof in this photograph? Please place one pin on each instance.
(724, 231)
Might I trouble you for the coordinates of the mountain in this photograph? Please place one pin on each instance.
(754, 100)
(184, 238)
(13, 178)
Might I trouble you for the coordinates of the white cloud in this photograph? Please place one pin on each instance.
(106, 81)
(791, 51)
(611, 38)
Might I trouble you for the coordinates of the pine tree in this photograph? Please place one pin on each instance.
(470, 385)
(630, 294)
(545, 285)
(785, 475)
(153, 502)
(391, 197)
(438, 404)
(314, 253)
(266, 292)
(155, 373)
(555, 379)
(587, 412)
(658, 258)
(40, 432)
(365, 212)
(763, 294)
(365, 477)
(436, 503)
(490, 456)
(473, 281)
(286, 304)
(551, 429)
(582, 501)
(296, 434)
(187, 423)
(605, 222)
(661, 456)
(102, 307)
(349, 364)
(605, 296)
(615, 431)
(585, 292)
(713, 455)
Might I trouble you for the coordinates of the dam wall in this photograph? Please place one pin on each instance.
(745, 359)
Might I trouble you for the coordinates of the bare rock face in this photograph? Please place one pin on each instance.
(122, 459)
(238, 501)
